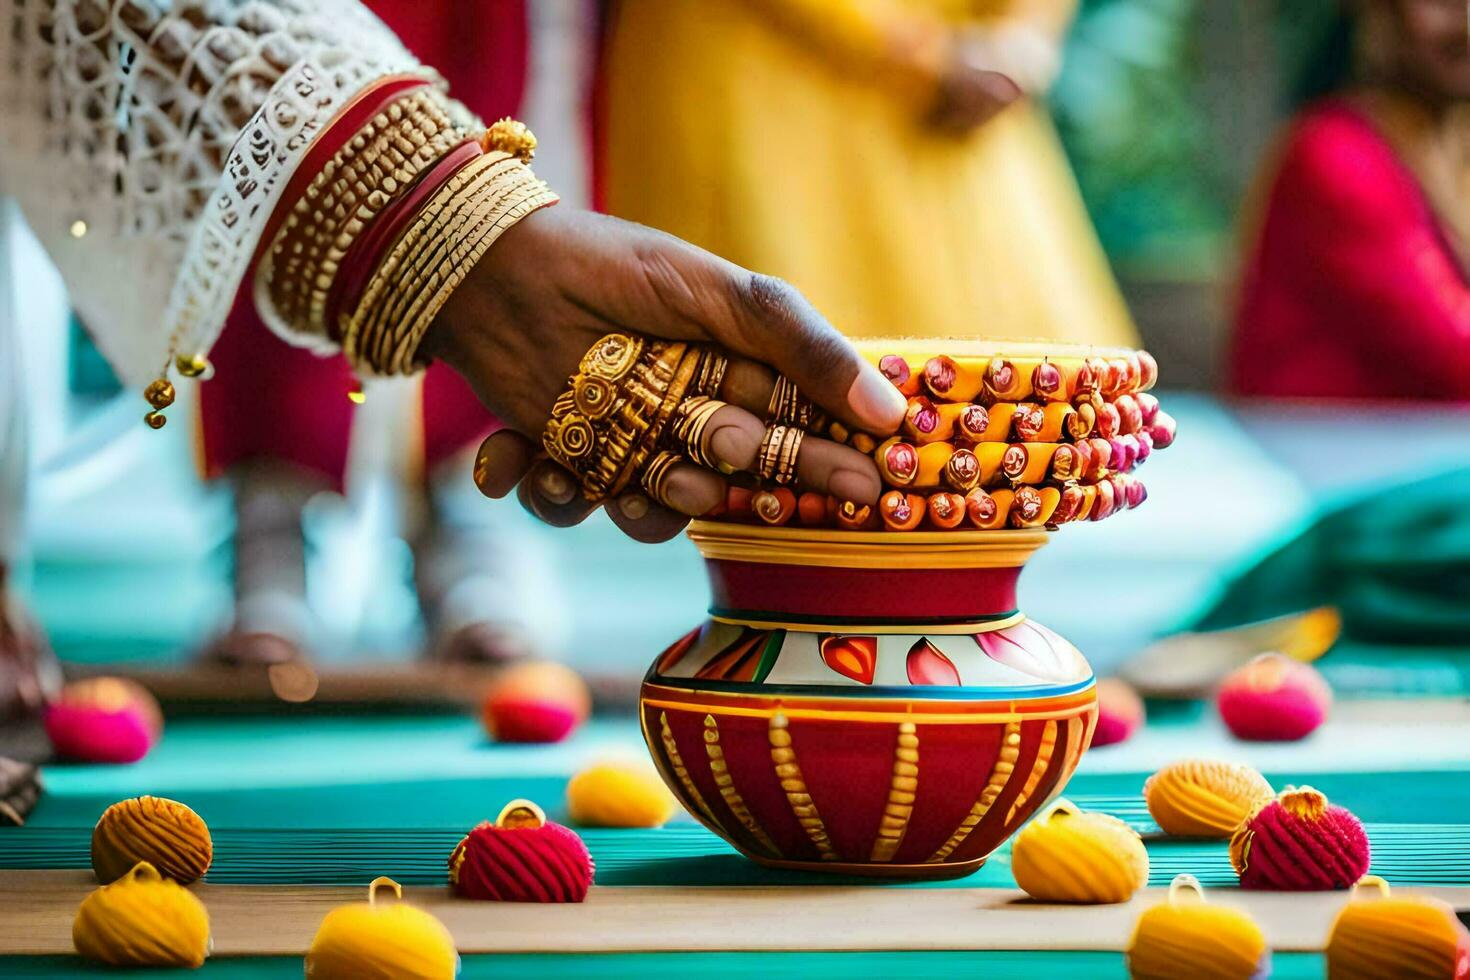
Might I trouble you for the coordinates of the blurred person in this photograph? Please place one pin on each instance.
(158, 152)
(278, 446)
(891, 158)
(1355, 277)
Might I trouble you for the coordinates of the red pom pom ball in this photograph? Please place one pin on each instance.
(521, 857)
(1274, 699)
(104, 719)
(1119, 712)
(1300, 842)
(536, 702)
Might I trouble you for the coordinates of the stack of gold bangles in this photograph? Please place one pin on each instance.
(636, 407)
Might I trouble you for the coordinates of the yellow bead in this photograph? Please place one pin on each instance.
(155, 420)
(1414, 938)
(142, 919)
(1185, 937)
(164, 833)
(1067, 855)
(160, 394)
(1204, 798)
(619, 795)
(369, 939)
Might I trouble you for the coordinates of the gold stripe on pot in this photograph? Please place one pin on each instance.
(1044, 753)
(788, 771)
(1000, 774)
(826, 548)
(904, 629)
(726, 783)
(1076, 727)
(901, 791)
(671, 749)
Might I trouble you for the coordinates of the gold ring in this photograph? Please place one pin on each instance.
(710, 374)
(607, 423)
(779, 448)
(655, 476)
(690, 427)
(789, 406)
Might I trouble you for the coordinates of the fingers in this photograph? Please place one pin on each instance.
(502, 462)
(644, 520)
(552, 495)
(656, 283)
(735, 438)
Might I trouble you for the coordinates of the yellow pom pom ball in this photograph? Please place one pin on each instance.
(1204, 798)
(164, 833)
(1412, 938)
(1185, 937)
(142, 919)
(1067, 855)
(369, 941)
(619, 795)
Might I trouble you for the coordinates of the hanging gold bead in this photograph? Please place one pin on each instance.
(155, 420)
(356, 394)
(510, 136)
(191, 365)
(160, 394)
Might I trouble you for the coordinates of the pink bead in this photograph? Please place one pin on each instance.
(1274, 699)
(1119, 712)
(1300, 842)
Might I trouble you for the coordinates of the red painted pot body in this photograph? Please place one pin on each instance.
(867, 703)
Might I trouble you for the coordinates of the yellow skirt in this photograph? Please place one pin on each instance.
(725, 132)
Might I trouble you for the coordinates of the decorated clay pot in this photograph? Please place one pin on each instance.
(867, 703)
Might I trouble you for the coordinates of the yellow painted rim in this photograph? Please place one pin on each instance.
(883, 629)
(970, 351)
(864, 549)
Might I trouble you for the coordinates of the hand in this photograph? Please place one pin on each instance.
(970, 95)
(28, 670)
(560, 279)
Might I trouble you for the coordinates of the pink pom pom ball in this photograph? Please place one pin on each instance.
(1300, 842)
(103, 719)
(1274, 699)
(1119, 712)
(536, 702)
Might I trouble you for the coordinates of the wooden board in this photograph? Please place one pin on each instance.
(281, 920)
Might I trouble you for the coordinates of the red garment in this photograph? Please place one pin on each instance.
(1352, 290)
(269, 400)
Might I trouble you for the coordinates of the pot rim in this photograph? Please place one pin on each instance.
(874, 348)
(728, 541)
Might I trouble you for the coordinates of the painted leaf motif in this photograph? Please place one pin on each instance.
(738, 661)
(926, 665)
(676, 652)
(851, 656)
(1032, 649)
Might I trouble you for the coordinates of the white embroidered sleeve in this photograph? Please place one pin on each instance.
(148, 142)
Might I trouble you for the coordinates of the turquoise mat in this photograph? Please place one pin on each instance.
(838, 966)
(682, 854)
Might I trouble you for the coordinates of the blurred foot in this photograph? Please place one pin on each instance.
(29, 672)
(467, 587)
(272, 623)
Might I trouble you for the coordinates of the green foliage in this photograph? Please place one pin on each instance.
(1128, 110)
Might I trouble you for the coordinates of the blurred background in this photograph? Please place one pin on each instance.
(1166, 110)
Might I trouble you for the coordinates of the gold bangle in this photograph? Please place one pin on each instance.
(378, 163)
(431, 258)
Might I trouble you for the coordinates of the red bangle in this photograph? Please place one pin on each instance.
(357, 266)
(341, 128)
